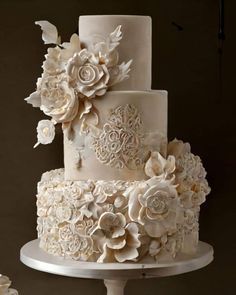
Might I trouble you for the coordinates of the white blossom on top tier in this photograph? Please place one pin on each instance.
(73, 76)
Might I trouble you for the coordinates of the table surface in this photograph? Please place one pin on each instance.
(34, 257)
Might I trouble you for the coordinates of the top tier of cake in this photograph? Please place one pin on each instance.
(136, 44)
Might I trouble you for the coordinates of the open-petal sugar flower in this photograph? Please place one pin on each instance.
(155, 205)
(117, 240)
(190, 174)
(45, 132)
(157, 165)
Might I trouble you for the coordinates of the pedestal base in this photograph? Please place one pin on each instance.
(115, 275)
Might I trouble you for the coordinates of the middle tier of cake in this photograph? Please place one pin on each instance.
(123, 127)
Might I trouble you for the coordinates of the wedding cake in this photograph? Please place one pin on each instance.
(125, 193)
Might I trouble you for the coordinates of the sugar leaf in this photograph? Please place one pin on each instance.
(49, 32)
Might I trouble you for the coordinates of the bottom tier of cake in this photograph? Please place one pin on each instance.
(114, 221)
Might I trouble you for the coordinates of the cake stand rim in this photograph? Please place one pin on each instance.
(34, 257)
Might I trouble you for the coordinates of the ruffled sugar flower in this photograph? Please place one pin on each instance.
(117, 240)
(190, 174)
(58, 99)
(45, 132)
(88, 76)
(155, 205)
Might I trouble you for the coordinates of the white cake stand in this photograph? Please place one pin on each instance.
(115, 275)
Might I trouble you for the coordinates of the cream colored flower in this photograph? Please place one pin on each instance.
(155, 205)
(190, 174)
(5, 283)
(58, 99)
(57, 58)
(45, 132)
(117, 240)
(78, 247)
(50, 243)
(63, 212)
(88, 77)
(159, 166)
(104, 55)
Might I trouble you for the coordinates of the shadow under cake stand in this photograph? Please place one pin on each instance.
(115, 275)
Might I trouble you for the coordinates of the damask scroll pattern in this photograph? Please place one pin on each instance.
(120, 143)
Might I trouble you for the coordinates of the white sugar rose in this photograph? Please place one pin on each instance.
(50, 244)
(58, 99)
(45, 132)
(63, 212)
(155, 205)
(78, 247)
(88, 77)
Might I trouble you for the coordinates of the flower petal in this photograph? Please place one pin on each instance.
(127, 253)
(34, 99)
(107, 255)
(154, 229)
(118, 232)
(117, 243)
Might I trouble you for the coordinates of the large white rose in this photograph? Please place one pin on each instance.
(87, 76)
(58, 99)
(155, 205)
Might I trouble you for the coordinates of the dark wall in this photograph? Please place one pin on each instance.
(201, 111)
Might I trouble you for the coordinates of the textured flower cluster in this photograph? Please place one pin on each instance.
(73, 76)
(117, 221)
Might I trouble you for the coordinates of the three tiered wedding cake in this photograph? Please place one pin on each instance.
(125, 192)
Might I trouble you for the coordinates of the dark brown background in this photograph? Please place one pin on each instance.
(186, 62)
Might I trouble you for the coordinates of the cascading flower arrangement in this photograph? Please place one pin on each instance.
(72, 77)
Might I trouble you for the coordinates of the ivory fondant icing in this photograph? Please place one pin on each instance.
(136, 44)
(152, 106)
